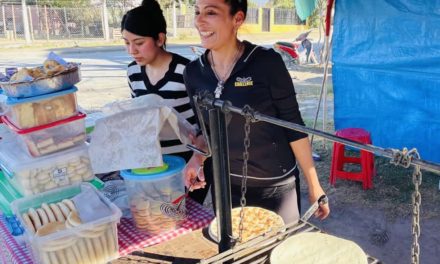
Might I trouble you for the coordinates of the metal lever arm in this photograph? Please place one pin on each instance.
(312, 209)
(203, 130)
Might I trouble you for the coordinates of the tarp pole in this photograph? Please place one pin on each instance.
(327, 46)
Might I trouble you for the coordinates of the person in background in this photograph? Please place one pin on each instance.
(155, 70)
(310, 54)
(246, 74)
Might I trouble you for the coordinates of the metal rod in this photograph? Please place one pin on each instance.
(262, 243)
(222, 186)
(227, 106)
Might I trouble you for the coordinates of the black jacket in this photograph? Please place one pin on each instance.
(259, 79)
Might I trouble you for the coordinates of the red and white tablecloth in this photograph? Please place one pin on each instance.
(129, 238)
(10, 250)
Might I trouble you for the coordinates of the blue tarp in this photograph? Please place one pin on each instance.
(386, 72)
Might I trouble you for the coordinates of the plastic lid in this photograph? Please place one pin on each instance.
(97, 183)
(175, 166)
(148, 171)
(13, 158)
(8, 194)
(14, 101)
(17, 130)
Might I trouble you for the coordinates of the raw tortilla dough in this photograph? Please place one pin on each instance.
(317, 248)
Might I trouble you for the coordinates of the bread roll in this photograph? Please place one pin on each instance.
(23, 74)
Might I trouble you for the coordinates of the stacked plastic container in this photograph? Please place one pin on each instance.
(44, 156)
(66, 238)
(48, 149)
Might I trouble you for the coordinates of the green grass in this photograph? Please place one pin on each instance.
(392, 186)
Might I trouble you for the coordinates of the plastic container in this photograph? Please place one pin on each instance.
(150, 189)
(91, 120)
(41, 110)
(50, 138)
(8, 194)
(35, 175)
(3, 99)
(59, 81)
(88, 242)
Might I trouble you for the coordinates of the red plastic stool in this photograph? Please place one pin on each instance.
(365, 159)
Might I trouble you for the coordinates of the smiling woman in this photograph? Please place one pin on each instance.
(246, 74)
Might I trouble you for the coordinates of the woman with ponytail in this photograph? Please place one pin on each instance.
(154, 70)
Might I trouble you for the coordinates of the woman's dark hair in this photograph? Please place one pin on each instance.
(146, 20)
(237, 5)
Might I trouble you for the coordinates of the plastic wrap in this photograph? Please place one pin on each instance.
(128, 135)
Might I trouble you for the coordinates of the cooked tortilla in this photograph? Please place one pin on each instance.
(257, 221)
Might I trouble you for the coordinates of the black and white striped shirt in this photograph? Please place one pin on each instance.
(172, 89)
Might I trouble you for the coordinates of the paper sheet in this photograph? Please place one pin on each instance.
(128, 135)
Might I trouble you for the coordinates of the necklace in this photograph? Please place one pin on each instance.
(221, 80)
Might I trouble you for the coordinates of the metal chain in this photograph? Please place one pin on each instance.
(404, 159)
(247, 143)
(416, 202)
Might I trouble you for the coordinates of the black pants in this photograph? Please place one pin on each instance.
(199, 195)
(279, 199)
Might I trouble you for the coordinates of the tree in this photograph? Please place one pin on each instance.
(316, 18)
(281, 3)
(60, 3)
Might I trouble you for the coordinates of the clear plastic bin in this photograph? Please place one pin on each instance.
(91, 242)
(153, 191)
(41, 110)
(35, 175)
(50, 138)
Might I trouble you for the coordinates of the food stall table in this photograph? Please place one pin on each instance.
(129, 238)
(197, 246)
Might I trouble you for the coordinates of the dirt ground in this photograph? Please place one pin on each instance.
(379, 220)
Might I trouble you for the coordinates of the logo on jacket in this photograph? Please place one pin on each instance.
(243, 81)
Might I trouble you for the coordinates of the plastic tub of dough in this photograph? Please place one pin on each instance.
(39, 86)
(154, 192)
(41, 110)
(52, 137)
(60, 231)
(35, 175)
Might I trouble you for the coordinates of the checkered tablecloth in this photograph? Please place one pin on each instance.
(10, 250)
(130, 239)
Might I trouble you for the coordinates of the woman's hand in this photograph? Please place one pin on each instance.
(303, 153)
(324, 209)
(193, 172)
